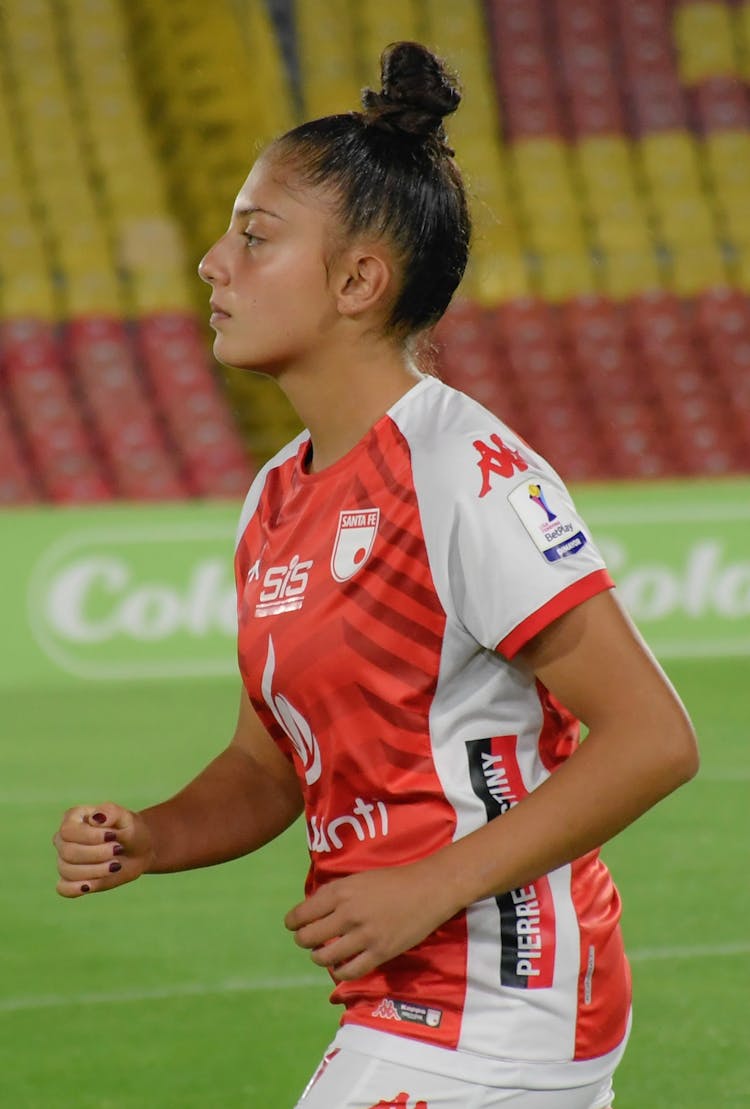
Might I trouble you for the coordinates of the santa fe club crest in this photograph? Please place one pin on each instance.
(354, 541)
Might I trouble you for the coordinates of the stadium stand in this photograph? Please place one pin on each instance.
(606, 147)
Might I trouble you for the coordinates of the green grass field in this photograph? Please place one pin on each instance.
(186, 990)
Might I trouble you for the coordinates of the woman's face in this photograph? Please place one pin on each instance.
(271, 301)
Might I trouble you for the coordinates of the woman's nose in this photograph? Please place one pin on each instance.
(209, 267)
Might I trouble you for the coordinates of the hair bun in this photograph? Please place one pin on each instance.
(418, 92)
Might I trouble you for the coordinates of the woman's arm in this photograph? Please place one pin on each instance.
(640, 747)
(248, 795)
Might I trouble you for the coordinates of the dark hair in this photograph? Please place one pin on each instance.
(394, 174)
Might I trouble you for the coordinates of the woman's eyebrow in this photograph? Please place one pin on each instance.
(253, 210)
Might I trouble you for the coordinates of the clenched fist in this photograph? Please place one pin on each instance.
(100, 847)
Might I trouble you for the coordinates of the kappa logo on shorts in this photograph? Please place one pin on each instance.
(354, 541)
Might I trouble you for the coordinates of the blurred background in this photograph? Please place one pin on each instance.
(605, 315)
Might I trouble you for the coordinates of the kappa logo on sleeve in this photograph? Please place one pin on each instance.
(555, 530)
(400, 1101)
(497, 459)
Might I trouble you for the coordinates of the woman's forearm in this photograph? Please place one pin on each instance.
(606, 785)
(231, 808)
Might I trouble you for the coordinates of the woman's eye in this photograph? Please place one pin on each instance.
(252, 240)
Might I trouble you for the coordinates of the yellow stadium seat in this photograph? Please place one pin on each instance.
(697, 268)
(622, 226)
(626, 273)
(741, 270)
(705, 41)
(159, 291)
(728, 157)
(670, 160)
(93, 292)
(29, 294)
(684, 219)
(735, 217)
(553, 223)
(498, 277)
(331, 78)
(564, 275)
(742, 36)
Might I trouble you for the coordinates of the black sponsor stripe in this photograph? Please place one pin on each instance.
(476, 749)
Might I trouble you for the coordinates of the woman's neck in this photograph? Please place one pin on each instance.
(340, 399)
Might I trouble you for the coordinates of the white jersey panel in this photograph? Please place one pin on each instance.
(511, 539)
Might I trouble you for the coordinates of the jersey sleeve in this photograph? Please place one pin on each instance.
(520, 555)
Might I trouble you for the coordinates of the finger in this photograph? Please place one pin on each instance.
(321, 904)
(73, 872)
(338, 951)
(80, 826)
(355, 968)
(107, 815)
(89, 854)
(320, 932)
(67, 888)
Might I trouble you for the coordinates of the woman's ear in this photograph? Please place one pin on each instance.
(362, 280)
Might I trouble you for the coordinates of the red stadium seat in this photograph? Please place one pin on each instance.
(720, 104)
(102, 359)
(59, 441)
(17, 486)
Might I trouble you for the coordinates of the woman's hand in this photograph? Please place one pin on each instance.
(100, 847)
(354, 924)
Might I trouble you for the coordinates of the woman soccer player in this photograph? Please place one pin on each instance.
(423, 620)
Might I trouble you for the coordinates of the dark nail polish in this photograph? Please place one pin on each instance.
(114, 867)
(99, 817)
(85, 889)
(110, 836)
(117, 849)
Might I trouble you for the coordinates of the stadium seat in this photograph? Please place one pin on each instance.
(517, 37)
(720, 104)
(705, 40)
(653, 93)
(17, 486)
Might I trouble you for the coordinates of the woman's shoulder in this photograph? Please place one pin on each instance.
(458, 441)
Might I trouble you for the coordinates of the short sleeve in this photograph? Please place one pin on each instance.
(520, 556)
(508, 551)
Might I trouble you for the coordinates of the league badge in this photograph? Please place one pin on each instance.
(555, 530)
(354, 541)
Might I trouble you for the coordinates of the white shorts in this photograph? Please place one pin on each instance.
(347, 1079)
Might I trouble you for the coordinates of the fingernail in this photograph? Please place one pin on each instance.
(99, 817)
(110, 836)
(114, 867)
(85, 889)
(117, 849)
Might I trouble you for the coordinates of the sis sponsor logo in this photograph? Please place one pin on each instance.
(283, 588)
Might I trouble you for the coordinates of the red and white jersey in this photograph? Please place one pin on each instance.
(381, 602)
